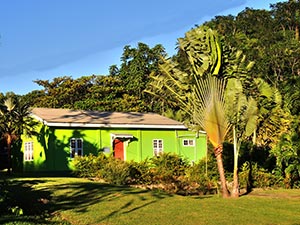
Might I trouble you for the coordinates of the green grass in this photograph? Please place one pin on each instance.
(80, 201)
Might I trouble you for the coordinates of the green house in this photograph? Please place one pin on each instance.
(65, 134)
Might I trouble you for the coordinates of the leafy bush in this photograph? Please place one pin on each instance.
(89, 166)
(287, 153)
(203, 176)
(115, 171)
(256, 177)
(167, 167)
(140, 172)
(103, 167)
(207, 167)
(167, 171)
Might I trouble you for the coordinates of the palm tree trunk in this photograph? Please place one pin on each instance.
(218, 154)
(8, 142)
(235, 188)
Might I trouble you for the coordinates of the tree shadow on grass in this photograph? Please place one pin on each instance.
(131, 206)
(40, 204)
(20, 203)
(89, 194)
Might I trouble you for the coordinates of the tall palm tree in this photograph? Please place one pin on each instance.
(243, 114)
(209, 111)
(197, 90)
(14, 121)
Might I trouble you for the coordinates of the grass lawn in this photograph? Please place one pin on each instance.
(80, 201)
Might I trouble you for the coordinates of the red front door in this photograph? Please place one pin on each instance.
(118, 149)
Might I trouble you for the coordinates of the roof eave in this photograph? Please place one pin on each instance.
(95, 125)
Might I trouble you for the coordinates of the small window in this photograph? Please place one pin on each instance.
(157, 146)
(28, 152)
(188, 142)
(76, 147)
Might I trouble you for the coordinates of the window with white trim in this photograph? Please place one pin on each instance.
(76, 147)
(188, 142)
(157, 146)
(28, 151)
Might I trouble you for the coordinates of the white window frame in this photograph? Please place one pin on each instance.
(158, 146)
(188, 142)
(76, 148)
(28, 151)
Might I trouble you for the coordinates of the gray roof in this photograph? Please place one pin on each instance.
(82, 118)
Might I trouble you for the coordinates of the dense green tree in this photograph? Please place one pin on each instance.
(63, 92)
(287, 153)
(287, 16)
(136, 66)
(268, 38)
(122, 90)
(103, 93)
(271, 39)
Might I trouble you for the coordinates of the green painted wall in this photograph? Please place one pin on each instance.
(52, 145)
(193, 153)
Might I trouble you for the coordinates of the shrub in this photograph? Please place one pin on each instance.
(140, 172)
(167, 167)
(254, 176)
(89, 166)
(203, 176)
(167, 171)
(115, 171)
(108, 168)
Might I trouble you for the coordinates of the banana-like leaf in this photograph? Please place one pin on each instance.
(242, 111)
(209, 109)
(203, 48)
(9, 104)
(251, 116)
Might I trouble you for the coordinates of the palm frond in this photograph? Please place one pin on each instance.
(209, 109)
(9, 104)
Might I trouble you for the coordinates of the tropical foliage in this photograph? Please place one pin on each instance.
(14, 121)
(198, 91)
(237, 77)
(273, 44)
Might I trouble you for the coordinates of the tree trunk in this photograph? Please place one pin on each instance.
(218, 153)
(235, 189)
(8, 142)
(297, 33)
(236, 147)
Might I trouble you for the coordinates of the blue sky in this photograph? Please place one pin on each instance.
(43, 39)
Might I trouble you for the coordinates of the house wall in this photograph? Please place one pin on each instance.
(52, 146)
(141, 146)
(43, 151)
(193, 153)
